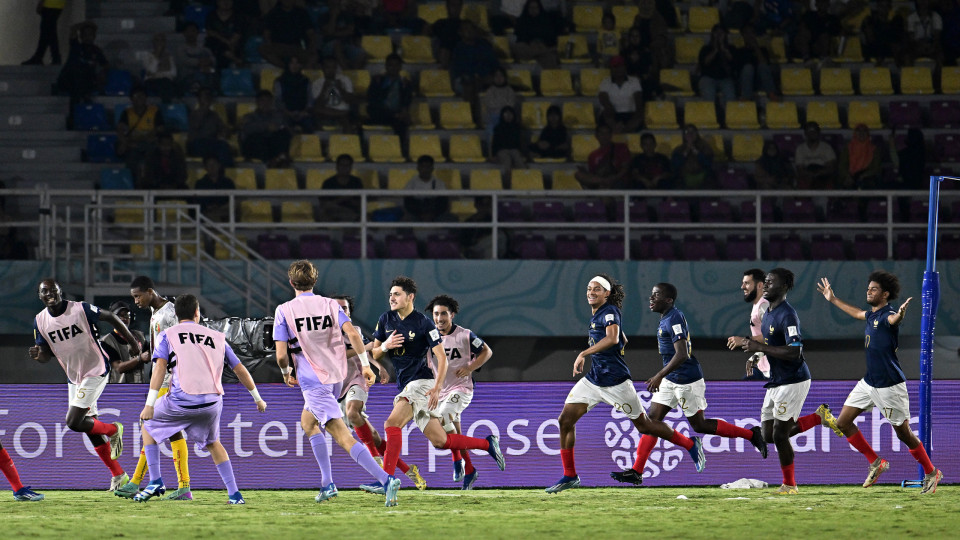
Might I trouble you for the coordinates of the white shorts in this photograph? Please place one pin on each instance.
(355, 393)
(86, 394)
(691, 398)
(451, 406)
(622, 397)
(415, 393)
(893, 401)
(784, 402)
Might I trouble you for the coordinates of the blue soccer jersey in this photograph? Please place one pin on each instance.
(607, 367)
(673, 327)
(419, 336)
(881, 341)
(781, 327)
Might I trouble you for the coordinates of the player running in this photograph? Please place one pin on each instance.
(20, 491)
(194, 355)
(406, 335)
(752, 287)
(608, 381)
(466, 353)
(884, 385)
(68, 330)
(679, 383)
(310, 328)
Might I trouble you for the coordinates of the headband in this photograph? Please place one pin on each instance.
(603, 282)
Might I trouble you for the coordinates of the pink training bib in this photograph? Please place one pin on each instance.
(313, 320)
(200, 357)
(71, 340)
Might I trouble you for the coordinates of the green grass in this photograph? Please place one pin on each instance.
(818, 512)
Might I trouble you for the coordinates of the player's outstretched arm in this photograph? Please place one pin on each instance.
(114, 321)
(247, 381)
(897, 317)
(156, 381)
(611, 339)
(785, 353)
(826, 290)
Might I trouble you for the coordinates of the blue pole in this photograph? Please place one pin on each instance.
(930, 298)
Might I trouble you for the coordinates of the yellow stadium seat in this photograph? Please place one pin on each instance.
(687, 48)
(836, 82)
(526, 179)
(796, 82)
(360, 79)
(580, 53)
(463, 208)
(747, 147)
(501, 45)
(864, 112)
(256, 212)
(280, 179)
(565, 181)
(950, 80)
(875, 81)
(385, 149)
(466, 149)
(222, 251)
(742, 115)
(306, 148)
(477, 13)
(588, 18)
(129, 212)
(420, 117)
(590, 79)
(633, 142)
(456, 115)
(185, 251)
(486, 179)
(313, 74)
(243, 178)
(625, 15)
(676, 82)
(668, 142)
(221, 111)
(426, 145)
(916, 80)
(583, 145)
(139, 250)
(522, 81)
(194, 174)
(852, 51)
(782, 115)
(533, 114)
(715, 140)
(450, 177)
(824, 113)
(369, 177)
(702, 114)
(702, 19)
(432, 12)
(296, 212)
(660, 115)
(244, 108)
(398, 178)
(578, 115)
(267, 77)
(377, 47)
(316, 177)
(435, 83)
(417, 50)
(777, 49)
(345, 144)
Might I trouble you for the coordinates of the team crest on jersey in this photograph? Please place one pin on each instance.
(771, 328)
(876, 322)
(411, 334)
(622, 438)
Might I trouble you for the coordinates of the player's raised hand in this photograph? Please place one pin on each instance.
(433, 397)
(578, 365)
(261, 405)
(825, 289)
(146, 413)
(903, 307)
(369, 376)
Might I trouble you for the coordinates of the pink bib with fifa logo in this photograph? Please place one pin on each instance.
(313, 320)
(200, 355)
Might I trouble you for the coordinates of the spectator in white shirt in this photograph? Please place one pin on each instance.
(159, 69)
(332, 96)
(621, 99)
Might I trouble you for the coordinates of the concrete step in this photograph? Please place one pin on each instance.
(44, 138)
(33, 122)
(61, 101)
(35, 153)
(137, 25)
(24, 87)
(96, 10)
(33, 107)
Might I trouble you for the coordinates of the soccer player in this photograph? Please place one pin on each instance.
(194, 355)
(608, 381)
(679, 383)
(405, 335)
(466, 353)
(124, 368)
(20, 491)
(353, 401)
(311, 329)
(68, 330)
(782, 343)
(752, 287)
(162, 317)
(884, 385)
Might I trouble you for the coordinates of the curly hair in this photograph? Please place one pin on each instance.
(408, 285)
(617, 292)
(888, 282)
(785, 276)
(443, 300)
(349, 300)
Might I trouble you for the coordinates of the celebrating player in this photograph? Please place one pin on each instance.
(884, 385)
(466, 353)
(20, 491)
(752, 287)
(68, 330)
(608, 381)
(406, 335)
(311, 328)
(679, 383)
(195, 356)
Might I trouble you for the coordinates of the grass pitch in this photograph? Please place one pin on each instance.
(817, 512)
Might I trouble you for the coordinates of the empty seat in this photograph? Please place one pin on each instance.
(360, 78)
(432, 12)
(268, 76)
(582, 145)
(799, 210)
(420, 117)
(852, 50)
(702, 19)
(486, 179)
(450, 177)
(456, 115)
(435, 83)
(910, 246)
(243, 178)
(733, 179)
(699, 247)
(945, 114)
(657, 247)
(466, 149)
(676, 211)
(747, 147)
(785, 247)
(590, 79)
(825, 113)
(571, 247)
(442, 246)
(846, 210)
(702, 114)
(116, 179)
(778, 50)
(548, 211)
(522, 81)
(119, 83)
(676, 82)
(741, 247)
(398, 178)
(589, 212)
(870, 247)
(948, 246)
(687, 48)
(377, 47)
(588, 18)
(236, 83)
(528, 246)
(273, 246)
(916, 80)
(905, 114)
(426, 145)
(252, 211)
(950, 80)
(787, 143)
(90, 117)
(748, 211)
(526, 179)
(501, 46)
(306, 148)
(828, 247)
(715, 211)
(417, 49)
(796, 82)
(101, 148)
(610, 247)
(345, 144)
(556, 82)
(741, 115)
(510, 211)
(280, 179)
(782, 115)
(875, 81)
(316, 246)
(573, 49)
(836, 82)
(401, 246)
(385, 149)
(579, 115)
(296, 212)
(625, 16)
(565, 181)
(660, 115)
(864, 112)
(947, 147)
(533, 114)
(351, 247)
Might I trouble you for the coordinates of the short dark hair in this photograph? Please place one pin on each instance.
(785, 275)
(811, 125)
(443, 300)
(888, 282)
(346, 297)
(343, 157)
(189, 24)
(408, 285)
(138, 90)
(756, 274)
(668, 290)
(264, 93)
(142, 282)
(648, 136)
(394, 56)
(425, 159)
(186, 306)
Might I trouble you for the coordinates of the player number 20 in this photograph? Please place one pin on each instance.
(623, 407)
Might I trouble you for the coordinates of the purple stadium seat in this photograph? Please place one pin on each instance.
(827, 247)
(799, 210)
(835, 140)
(732, 178)
(350, 248)
(920, 211)
(947, 146)
(715, 211)
(548, 211)
(675, 211)
(741, 247)
(590, 212)
(610, 247)
(401, 246)
(844, 211)
(954, 209)
(571, 247)
(511, 211)
(699, 247)
(785, 247)
(639, 212)
(273, 246)
(316, 246)
(870, 247)
(748, 211)
(656, 247)
(529, 246)
(443, 246)
(788, 143)
(945, 114)
(877, 211)
(948, 246)
(910, 246)
(905, 114)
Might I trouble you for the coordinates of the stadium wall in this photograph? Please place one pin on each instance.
(20, 28)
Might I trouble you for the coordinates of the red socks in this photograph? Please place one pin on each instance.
(731, 431)
(920, 454)
(104, 452)
(455, 454)
(99, 428)
(365, 434)
(647, 442)
(455, 441)
(862, 446)
(681, 440)
(788, 478)
(468, 465)
(807, 422)
(402, 465)
(394, 444)
(569, 469)
(10, 470)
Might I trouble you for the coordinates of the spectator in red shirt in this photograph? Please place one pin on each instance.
(608, 166)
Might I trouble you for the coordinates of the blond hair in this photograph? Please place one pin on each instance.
(303, 275)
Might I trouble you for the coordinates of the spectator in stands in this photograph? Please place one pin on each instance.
(508, 147)
(882, 34)
(716, 67)
(426, 208)
(738, 14)
(389, 98)
(85, 71)
(472, 64)
(292, 91)
(772, 170)
(264, 135)
(446, 32)
(621, 99)
(226, 29)
(206, 131)
(752, 61)
(215, 208)
(124, 367)
(650, 169)
(608, 167)
(641, 63)
(341, 208)
(160, 69)
(333, 97)
(137, 130)
(924, 27)
(554, 141)
(654, 32)
(504, 15)
(692, 161)
(859, 166)
(342, 33)
(195, 63)
(950, 35)
(910, 161)
(815, 161)
(165, 166)
(608, 40)
(817, 28)
(499, 95)
(49, 11)
(400, 14)
(537, 32)
(287, 31)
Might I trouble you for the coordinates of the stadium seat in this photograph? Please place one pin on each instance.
(268, 76)
(668, 142)
(687, 48)
(548, 212)
(796, 82)
(243, 178)
(360, 79)
(197, 14)
(251, 50)
(533, 114)
(385, 149)
(501, 45)
(829, 247)
(702, 19)
(950, 80)
(442, 246)
(90, 117)
(852, 50)
(486, 179)
(741, 247)
(845, 210)
(417, 50)
(351, 248)
(625, 16)
(785, 247)
(116, 179)
(528, 246)
(477, 13)
(466, 149)
(660, 115)
(673, 211)
(799, 210)
(741, 115)
(280, 179)
(102, 148)
(699, 247)
(920, 211)
(296, 212)
(378, 48)
(573, 49)
(316, 246)
(875, 81)
(877, 211)
(948, 248)
(782, 115)
(398, 178)
(432, 12)
(450, 177)
(130, 212)
(510, 211)
(748, 211)
(273, 246)
(716, 142)
(119, 83)
(236, 83)
(369, 177)
(778, 50)
(244, 108)
(824, 113)
(590, 79)
(306, 148)
(910, 246)
(582, 145)
(345, 144)
(947, 146)
(657, 247)
(588, 18)
(864, 112)
(463, 208)
(916, 81)
(676, 82)
(610, 247)
(905, 114)
(569, 247)
(836, 82)
(747, 147)
(589, 212)
(316, 177)
(702, 114)
(426, 145)
(787, 143)
(565, 181)
(945, 114)
(456, 115)
(174, 116)
(522, 81)
(420, 116)
(715, 211)
(578, 115)
(256, 211)
(733, 178)
(526, 179)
